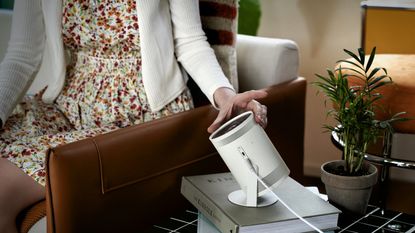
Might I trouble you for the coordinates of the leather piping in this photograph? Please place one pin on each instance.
(101, 168)
(49, 190)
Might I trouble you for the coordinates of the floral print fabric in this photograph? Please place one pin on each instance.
(32, 129)
(103, 90)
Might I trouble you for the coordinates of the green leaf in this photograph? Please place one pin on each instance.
(398, 114)
(354, 70)
(397, 117)
(327, 80)
(353, 75)
(353, 63)
(362, 55)
(384, 124)
(377, 79)
(371, 58)
(331, 74)
(373, 72)
(353, 55)
(375, 98)
(383, 83)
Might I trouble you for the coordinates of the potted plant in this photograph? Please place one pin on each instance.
(349, 181)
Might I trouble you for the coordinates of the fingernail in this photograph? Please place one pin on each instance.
(260, 118)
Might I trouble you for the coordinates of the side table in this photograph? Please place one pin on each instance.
(375, 220)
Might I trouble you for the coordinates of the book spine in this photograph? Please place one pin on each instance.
(208, 208)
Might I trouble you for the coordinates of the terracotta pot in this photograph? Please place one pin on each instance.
(350, 193)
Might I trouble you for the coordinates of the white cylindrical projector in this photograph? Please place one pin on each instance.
(245, 148)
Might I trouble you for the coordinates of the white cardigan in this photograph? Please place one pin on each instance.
(170, 32)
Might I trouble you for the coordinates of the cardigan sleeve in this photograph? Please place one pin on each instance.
(23, 55)
(192, 49)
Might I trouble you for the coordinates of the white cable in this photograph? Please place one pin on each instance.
(252, 169)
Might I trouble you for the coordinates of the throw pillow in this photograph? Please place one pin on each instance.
(219, 21)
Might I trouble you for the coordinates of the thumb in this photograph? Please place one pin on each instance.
(220, 119)
(216, 124)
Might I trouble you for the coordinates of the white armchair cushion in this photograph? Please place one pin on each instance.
(265, 61)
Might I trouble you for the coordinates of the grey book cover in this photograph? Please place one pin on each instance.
(209, 194)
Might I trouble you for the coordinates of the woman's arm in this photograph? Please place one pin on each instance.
(198, 58)
(23, 56)
(192, 49)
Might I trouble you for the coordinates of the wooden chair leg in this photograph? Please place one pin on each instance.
(30, 216)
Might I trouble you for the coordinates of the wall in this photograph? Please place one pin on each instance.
(321, 28)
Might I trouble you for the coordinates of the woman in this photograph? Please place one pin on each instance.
(113, 63)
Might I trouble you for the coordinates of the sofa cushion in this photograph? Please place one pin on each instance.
(263, 62)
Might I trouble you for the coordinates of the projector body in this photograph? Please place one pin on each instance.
(246, 149)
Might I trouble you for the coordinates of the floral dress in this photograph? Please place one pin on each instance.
(103, 89)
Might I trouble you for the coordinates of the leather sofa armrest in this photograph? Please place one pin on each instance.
(263, 62)
(129, 179)
(286, 122)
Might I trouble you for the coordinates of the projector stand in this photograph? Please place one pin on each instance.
(248, 196)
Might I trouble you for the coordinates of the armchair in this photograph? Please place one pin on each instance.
(129, 179)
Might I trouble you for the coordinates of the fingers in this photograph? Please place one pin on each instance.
(256, 94)
(244, 98)
(224, 114)
(260, 112)
(215, 125)
(242, 102)
(263, 117)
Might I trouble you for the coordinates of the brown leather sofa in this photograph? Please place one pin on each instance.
(129, 179)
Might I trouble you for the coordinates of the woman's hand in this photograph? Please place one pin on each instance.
(232, 104)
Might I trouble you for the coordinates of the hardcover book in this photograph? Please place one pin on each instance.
(209, 194)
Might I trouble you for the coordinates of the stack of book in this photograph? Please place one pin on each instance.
(209, 194)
